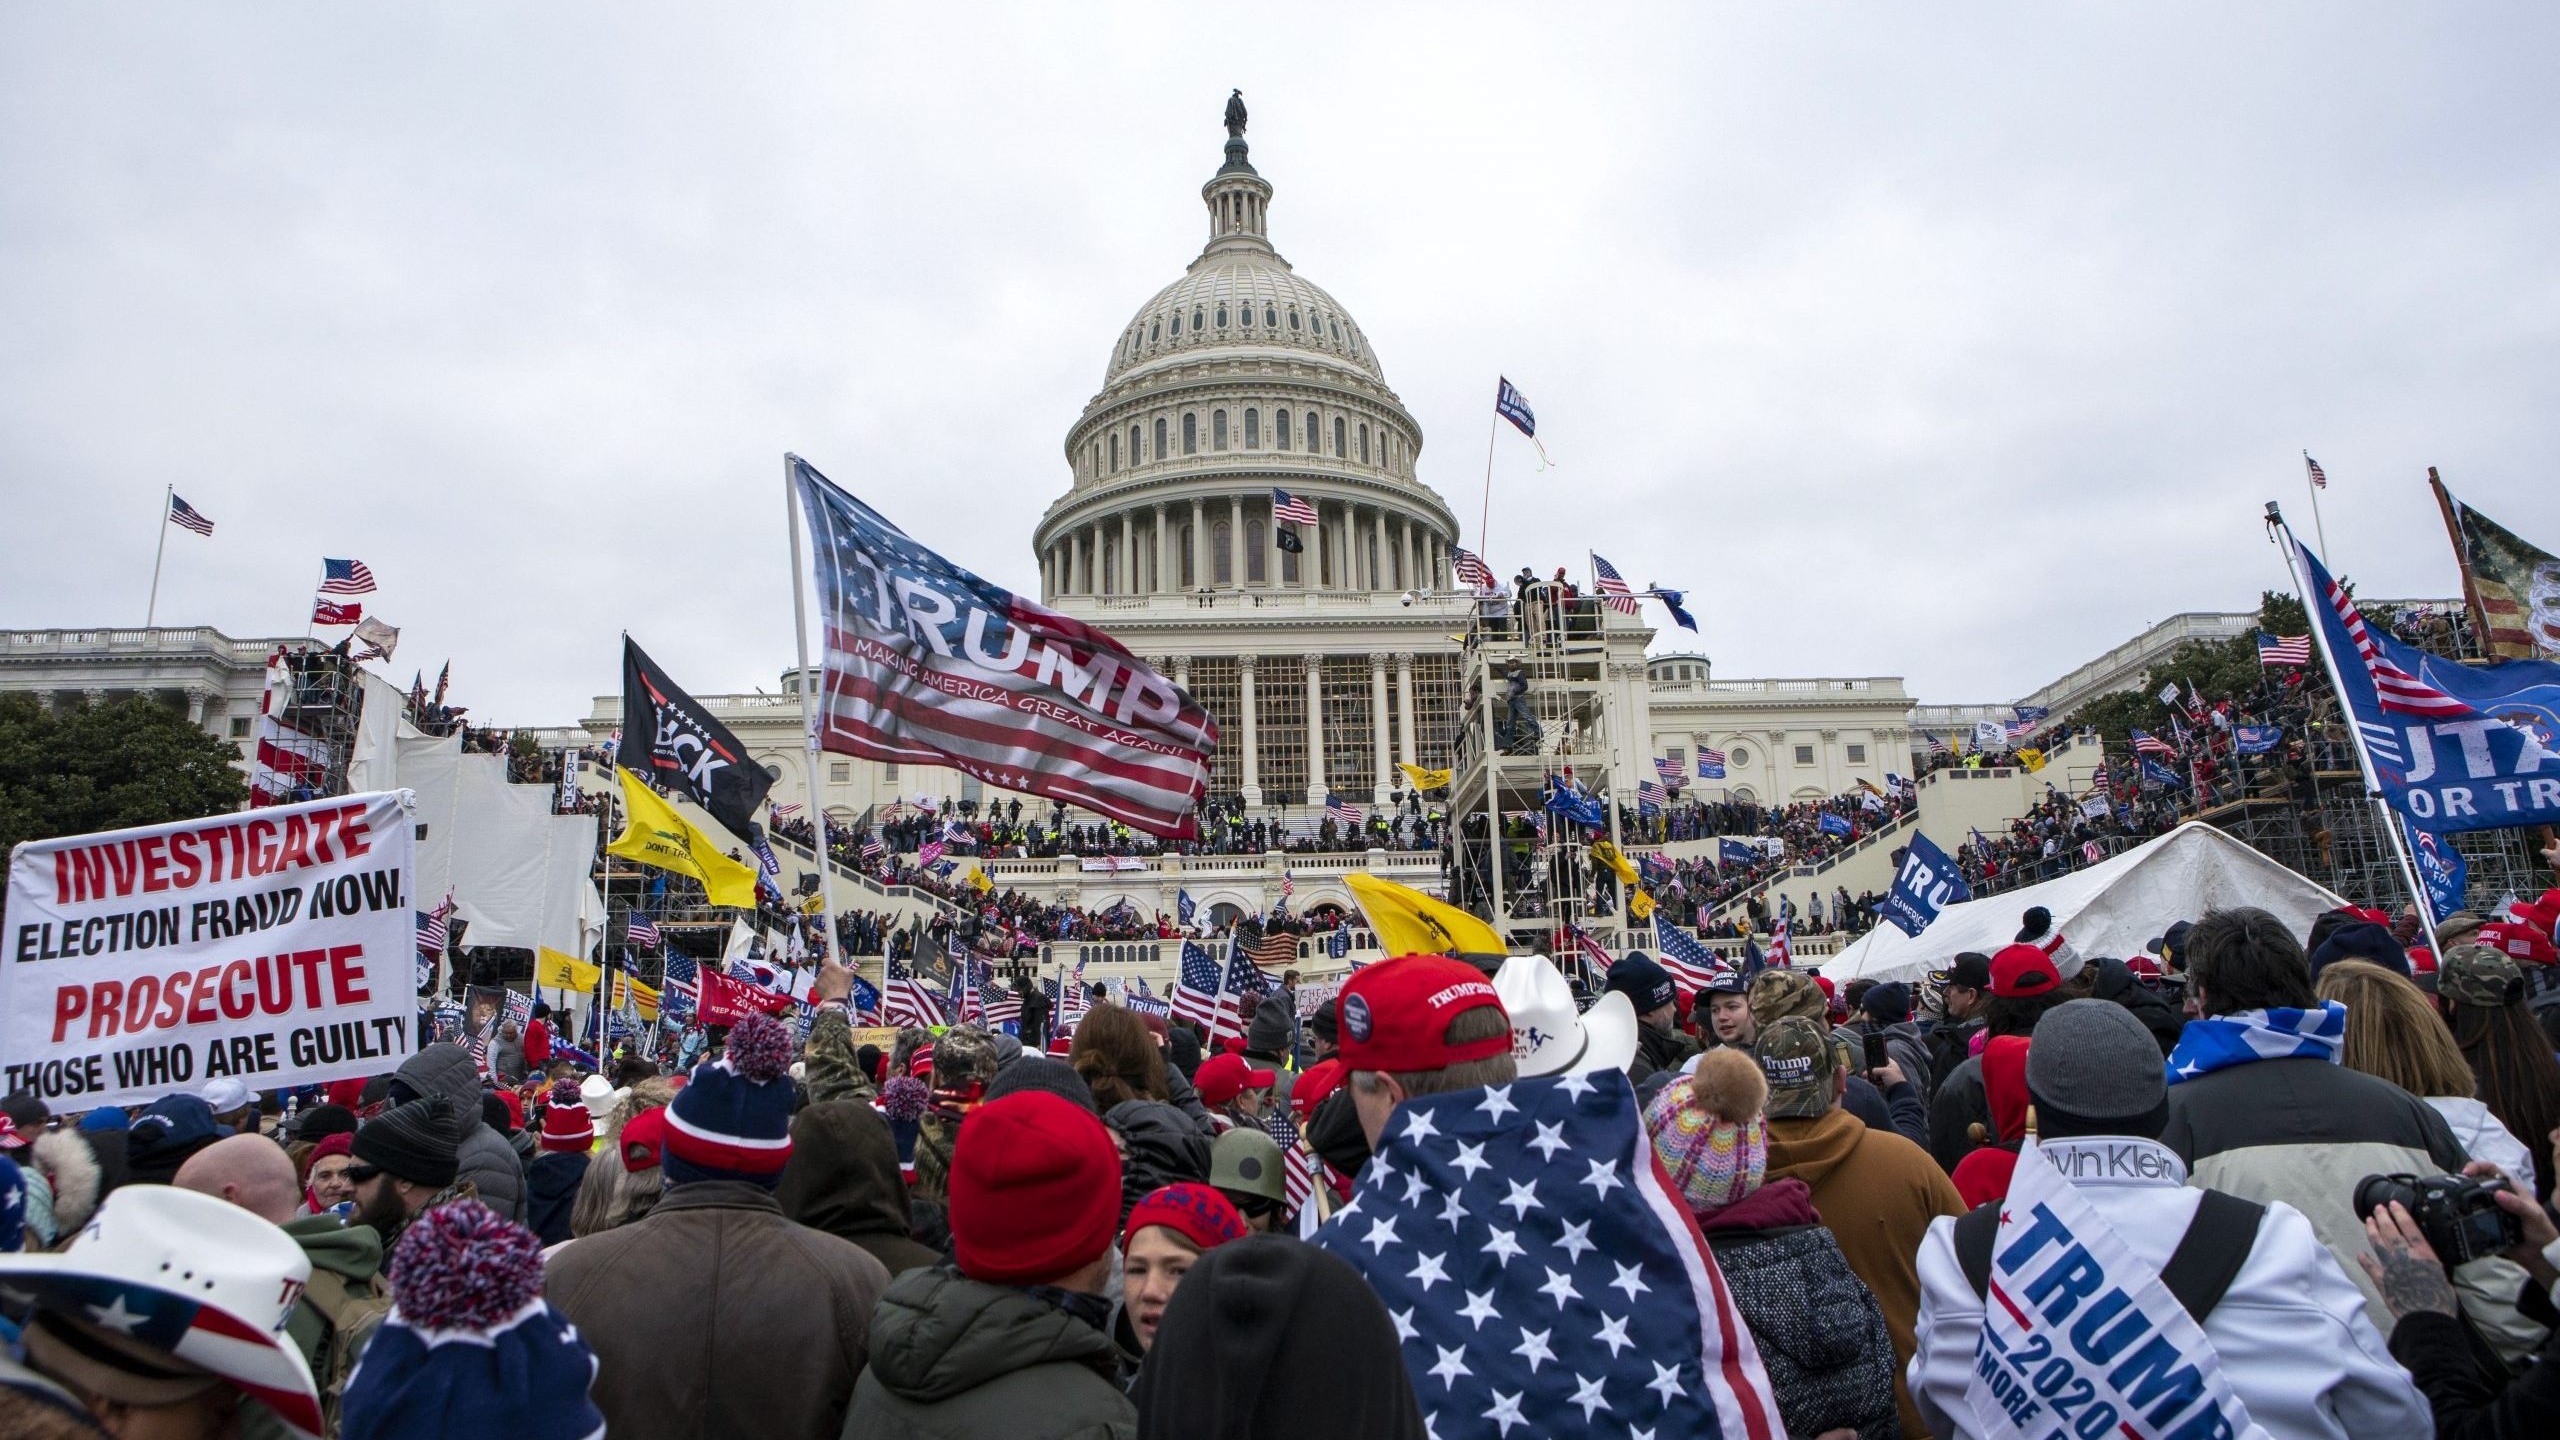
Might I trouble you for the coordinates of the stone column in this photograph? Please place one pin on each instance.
(1413, 575)
(1129, 553)
(1407, 748)
(1182, 671)
(1378, 727)
(196, 696)
(1164, 550)
(1199, 543)
(1316, 784)
(1235, 539)
(1252, 769)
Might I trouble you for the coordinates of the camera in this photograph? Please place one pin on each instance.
(2458, 1215)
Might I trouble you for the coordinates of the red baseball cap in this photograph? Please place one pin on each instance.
(1396, 1014)
(1313, 1084)
(2022, 970)
(1221, 1078)
(2518, 941)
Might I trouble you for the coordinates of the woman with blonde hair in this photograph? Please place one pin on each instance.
(2394, 1033)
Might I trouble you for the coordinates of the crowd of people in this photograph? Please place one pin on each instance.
(1406, 1210)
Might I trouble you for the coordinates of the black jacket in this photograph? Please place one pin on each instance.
(1164, 1148)
(2118, 984)
(2436, 1349)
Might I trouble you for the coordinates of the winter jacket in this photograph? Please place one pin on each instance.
(2117, 984)
(2483, 1136)
(1950, 1045)
(1877, 1193)
(1959, 1105)
(830, 1068)
(2305, 1131)
(715, 1318)
(2290, 1331)
(1658, 1048)
(1901, 1113)
(2468, 1404)
(489, 1163)
(551, 1191)
(1821, 1336)
(1183, 1096)
(1905, 1046)
(1163, 1148)
(843, 1178)
(955, 1359)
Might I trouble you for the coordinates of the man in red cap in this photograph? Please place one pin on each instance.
(1421, 1025)
(1235, 1092)
(1016, 1341)
(2025, 983)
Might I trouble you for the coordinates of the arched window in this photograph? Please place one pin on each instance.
(1244, 314)
(1155, 331)
(1364, 444)
(1315, 441)
(1196, 325)
(1222, 315)
(1340, 450)
(1097, 459)
(1217, 429)
(1161, 452)
(1293, 317)
(1177, 324)
(1190, 433)
(1115, 450)
(1136, 452)
(1222, 560)
(1270, 317)
(1189, 579)
(1374, 577)
(1254, 544)
(1253, 429)
(1280, 427)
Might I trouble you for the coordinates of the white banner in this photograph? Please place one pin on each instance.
(274, 947)
(1110, 864)
(1990, 735)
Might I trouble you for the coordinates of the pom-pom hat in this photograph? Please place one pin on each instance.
(733, 1121)
(471, 1348)
(1396, 1014)
(182, 1274)
(567, 1127)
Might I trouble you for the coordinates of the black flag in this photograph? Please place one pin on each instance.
(1290, 542)
(673, 742)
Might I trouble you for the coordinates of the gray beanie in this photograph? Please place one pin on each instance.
(1038, 1072)
(2092, 1069)
(1269, 1032)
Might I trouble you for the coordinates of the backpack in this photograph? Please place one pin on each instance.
(349, 1314)
(2207, 1260)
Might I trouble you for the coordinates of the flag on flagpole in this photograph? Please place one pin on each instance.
(1782, 950)
(1470, 569)
(2319, 477)
(1613, 586)
(2283, 649)
(332, 612)
(345, 577)
(906, 1001)
(785, 812)
(1289, 508)
(1196, 988)
(642, 931)
(1513, 406)
(1341, 812)
(188, 517)
(1710, 764)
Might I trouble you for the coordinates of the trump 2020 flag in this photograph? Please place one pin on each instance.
(1929, 882)
(1543, 1276)
(931, 665)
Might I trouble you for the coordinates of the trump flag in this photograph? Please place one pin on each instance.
(929, 664)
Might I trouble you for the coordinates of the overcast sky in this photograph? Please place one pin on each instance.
(1955, 343)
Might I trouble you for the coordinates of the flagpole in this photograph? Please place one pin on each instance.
(2461, 560)
(2364, 759)
(152, 613)
(809, 717)
(1484, 516)
(2316, 527)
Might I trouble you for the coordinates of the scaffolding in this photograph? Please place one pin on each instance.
(314, 703)
(1539, 709)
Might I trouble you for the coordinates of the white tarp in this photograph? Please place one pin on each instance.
(380, 727)
(520, 874)
(2112, 908)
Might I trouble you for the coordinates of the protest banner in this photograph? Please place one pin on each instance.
(272, 948)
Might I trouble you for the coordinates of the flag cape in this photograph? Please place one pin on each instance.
(1409, 922)
(928, 664)
(656, 835)
(670, 738)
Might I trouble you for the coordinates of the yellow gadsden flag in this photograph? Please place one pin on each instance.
(2032, 759)
(554, 970)
(657, 835)
(1424, 779)
(1619, 865)
(1409, 922)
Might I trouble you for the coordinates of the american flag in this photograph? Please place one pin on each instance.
(1499, 1194)
(335, 612)
(997, 1003)
(642, 931)
(1341, 811)
(186, 515)
(2283, 649)
(345, 577)
(1196, 991)
(906, 1001)
(2018, 730)
(682, 976)
(1595, 957)
(2092, 851)
(785, 812)
(1288, 885)
(1938, 745)
(1782, 949)
(2101, 783)
(2398, 691)
(1693, 965)
(1285, 506)
(2145, 743)
(1276, 950)
(929, 852)
(431, 928)
(1651, 793)
(1057, 708)
(1668, 769)
(1710, 764)
(2319, 477)
(1471, 569)
(1298, 1166)
(872, 850)
(1613, 586)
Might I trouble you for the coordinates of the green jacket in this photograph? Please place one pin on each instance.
(352, 1254)
(954, 1359)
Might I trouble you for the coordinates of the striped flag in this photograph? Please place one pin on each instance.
(345, 577)
(1276, 950)
(1298, 1166)
(334, 612)
(2145, 743)
(188, 516)
(1595, 957)
(1288, 507)
(1196, 990)
(1342, 812)
(1471, 569)
(997, 1003)
(2399, 692)
(2101, 784)
(1650, 795)
(1938, 746)
(1710, 764)
(872, 850)
(1001, 688)
(1669, 770)
(432, 928)
(906, 1001)
(2283, 649)
(1782, 950)
(1243, 987)
(2092, 851)
(1613, 586)
(785, 812)
(642, 931)
(2319, 477)
(1693, 965)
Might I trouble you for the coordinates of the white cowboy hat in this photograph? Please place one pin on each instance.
(1548, 1037)
(187, 1275)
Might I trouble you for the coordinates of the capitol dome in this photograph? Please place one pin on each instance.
(1239, 379)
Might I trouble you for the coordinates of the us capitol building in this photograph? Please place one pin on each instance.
(1323, 665)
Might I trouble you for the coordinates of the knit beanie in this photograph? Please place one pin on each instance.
(2094, 1070)
(1710, 1133)
(471, 1348)
(1035, 1072)
(414, 1142)
(321, 1121)
(732, 1121)
(1191, 1210)
(1035, 1190)
(2360, 940)
(567, 1128)
(1269, 1032)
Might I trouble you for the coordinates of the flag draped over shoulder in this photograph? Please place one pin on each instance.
(671, 739)
(928, 664)
(1543, 1277)
(656, 835)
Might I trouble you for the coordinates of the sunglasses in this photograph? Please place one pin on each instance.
(359, 1173)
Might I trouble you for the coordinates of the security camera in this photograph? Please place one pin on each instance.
(1407, 598)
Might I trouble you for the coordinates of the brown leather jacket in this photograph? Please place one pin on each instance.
(716, 1317)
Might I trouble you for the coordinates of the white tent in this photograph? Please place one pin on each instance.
(2112, 908)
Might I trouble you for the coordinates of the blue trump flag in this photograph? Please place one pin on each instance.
(2256, 739)
(2031, 714)
(2158, 774)
(1929, 882)
(1671, 601)
(1184, 907)
(1730, 851)
(1574, 805)
(2449, 746)
(2443, 871)
(1833, 824)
